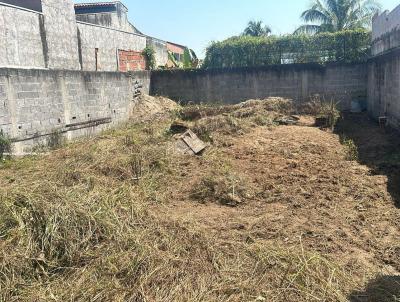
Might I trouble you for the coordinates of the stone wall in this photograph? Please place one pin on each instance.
(35, 103)
(384, 87)
(344, 82)
(21, 38)
(108, 41)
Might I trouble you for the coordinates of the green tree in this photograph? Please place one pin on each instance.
(256, 29)
(338, 15)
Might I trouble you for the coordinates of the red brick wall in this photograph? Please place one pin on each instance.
(130, 60)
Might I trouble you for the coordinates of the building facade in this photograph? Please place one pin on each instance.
(58, 34)
(384, 68)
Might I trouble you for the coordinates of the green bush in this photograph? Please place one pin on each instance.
(149, 54)
(244, 51)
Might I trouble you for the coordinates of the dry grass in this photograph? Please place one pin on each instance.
(85, 223)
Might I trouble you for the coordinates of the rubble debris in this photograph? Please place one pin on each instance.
(189, 143)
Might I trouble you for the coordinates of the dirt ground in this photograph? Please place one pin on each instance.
(306, 192)
(270, 211)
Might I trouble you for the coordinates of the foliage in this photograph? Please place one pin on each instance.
(187, 60)
(149, 54)
(5, 144)
(173, 60)
(338, 15)
(351, 148)
(244, 51)
(256, 29)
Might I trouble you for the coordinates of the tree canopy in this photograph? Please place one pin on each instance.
(256, 29)
(338, 15)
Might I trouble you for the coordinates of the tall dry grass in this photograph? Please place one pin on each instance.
(78, 225)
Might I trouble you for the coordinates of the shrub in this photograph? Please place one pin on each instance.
(351, 149)
(244, 51)
(149, 54)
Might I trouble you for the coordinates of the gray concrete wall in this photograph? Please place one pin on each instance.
(108, 41)
(297, 81)
(160, 49)
(384, 87)
(21, 38)
(112, 20)
(117, 19)
(61, 34)
(35, 103)
(386, 31)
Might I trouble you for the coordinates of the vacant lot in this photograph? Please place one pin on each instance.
(269, 212)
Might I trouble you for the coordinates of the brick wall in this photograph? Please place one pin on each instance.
(297, 81)
(130, 60)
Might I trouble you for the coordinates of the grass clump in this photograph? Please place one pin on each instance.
(326, 113)
(351, 149)
(225, 188)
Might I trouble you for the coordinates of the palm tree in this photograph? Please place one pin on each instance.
(337, 15)
(256, 29)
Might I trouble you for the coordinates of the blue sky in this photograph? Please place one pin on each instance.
(197, 22)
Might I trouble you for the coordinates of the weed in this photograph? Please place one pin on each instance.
(350, 148)
(262, 120)
(326, 113)
(55, 140)
(5, 145)
(227, 189)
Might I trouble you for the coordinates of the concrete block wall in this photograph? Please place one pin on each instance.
(160, 49)
(61, 34)
(344, 82)
(108, 41)
(117, 20)
(35, 103)
(386, 31)
(384, 87)
(21, 33)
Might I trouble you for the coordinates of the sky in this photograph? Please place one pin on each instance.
(195, 23)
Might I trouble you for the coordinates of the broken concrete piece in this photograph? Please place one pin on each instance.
(189, 143)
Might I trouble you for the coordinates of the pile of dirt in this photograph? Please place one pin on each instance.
(268, 212)
(147, 108)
